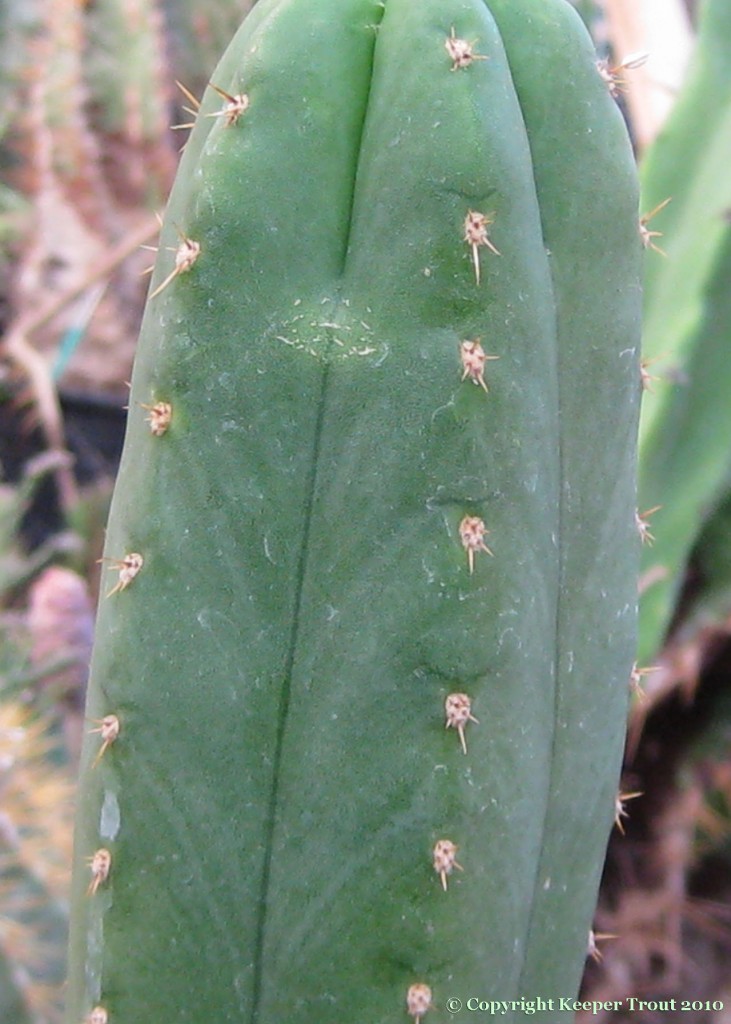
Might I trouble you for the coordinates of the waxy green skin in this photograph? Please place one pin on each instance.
(281, 662)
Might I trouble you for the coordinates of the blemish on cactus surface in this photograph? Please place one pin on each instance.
(461, 52)
(234, 106)
(611, 73)
(97, 1016)
(473, 359)
(445, 860)
(620, 811)
(645, 234)
(643, 525)
(475, 234)
(100, 863)
(160, 415)
(108, 728)
(186, 255)
(418, 1001)
(592, 949)
(127, 567)
(472, 531)
(458, 709)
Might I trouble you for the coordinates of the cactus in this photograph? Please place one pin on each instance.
(35, 841)
(338, 527)
(686, 416)
(710, 605)
(129, 95)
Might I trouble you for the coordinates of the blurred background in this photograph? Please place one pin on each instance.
(88, 96)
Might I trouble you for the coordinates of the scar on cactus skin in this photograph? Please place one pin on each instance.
(127, 567)
(611, 74)
(108, 727)
(461, 52)
(643, 526)
(472, 531)
(620, 811)
(186, 255)
(475, 234)
(159, 419)
(473, 359)
(234, 106)
(445, 860)
(97, 1016)
(418, 1001)
(458, 709)
(645, 234)
(100, 863)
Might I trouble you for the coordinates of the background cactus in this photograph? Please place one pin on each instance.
(686, 416)
(300, 541)
(131, 97)
(35, 848)
(665, 891)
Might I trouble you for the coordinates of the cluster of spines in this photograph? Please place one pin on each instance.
(472, 529)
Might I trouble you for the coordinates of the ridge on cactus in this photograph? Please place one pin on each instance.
(291, 829)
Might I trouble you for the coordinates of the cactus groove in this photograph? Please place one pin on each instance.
(406, 187)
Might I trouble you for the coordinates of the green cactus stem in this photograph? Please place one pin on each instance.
(355, 530)
(685, 429)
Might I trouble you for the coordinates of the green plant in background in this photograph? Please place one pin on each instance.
(36, 810)
(685, 457)
(13, 210)
(17, 565)
(338, 528)
(35, 845)
(130, 94)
